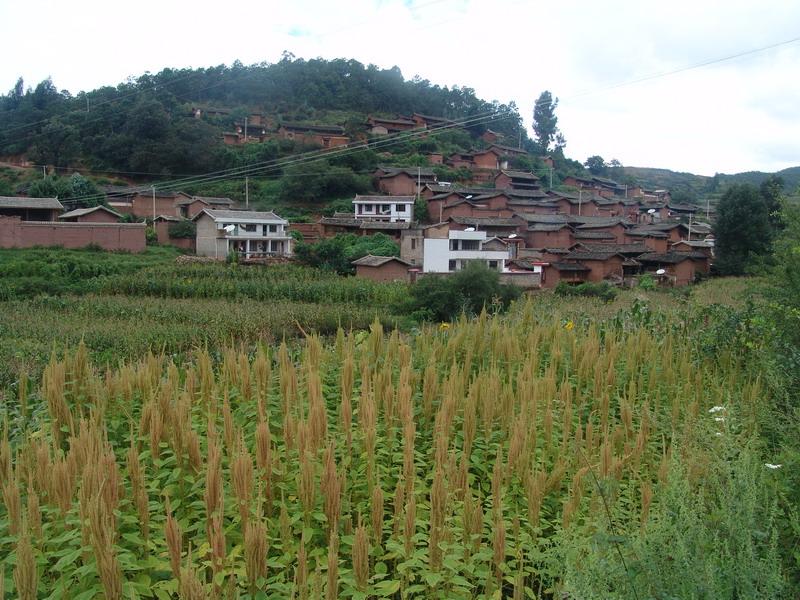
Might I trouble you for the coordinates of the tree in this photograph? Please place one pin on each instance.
(596, 165)
(545, 123)
(771, 190)
(742, 230)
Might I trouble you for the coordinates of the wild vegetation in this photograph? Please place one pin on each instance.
(527, 455)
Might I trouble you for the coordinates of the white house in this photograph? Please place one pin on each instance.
(251, 234)
(453, 253)
(394, 209)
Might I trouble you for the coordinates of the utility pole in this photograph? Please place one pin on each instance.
(689, 239)
(245, 129)
(44, 171)
(580, 200)
(551, 178)
(247, 192)
(154, 205)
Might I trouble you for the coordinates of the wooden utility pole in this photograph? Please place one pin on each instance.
(154, 205)
(247, 192)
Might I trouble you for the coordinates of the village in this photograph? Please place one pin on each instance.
(591, 229)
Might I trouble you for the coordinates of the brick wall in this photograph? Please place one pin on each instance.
(15, 233)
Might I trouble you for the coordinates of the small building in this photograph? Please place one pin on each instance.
(568, 272)
(250, 234)
(397, 181)
(394, 209)
(447, 250)
(319, 135)
(381, 126)
(382, 268)
(30, 209)
(95, 214)
(518, 180)
(143, 202)
(189, 207)
(680, 268)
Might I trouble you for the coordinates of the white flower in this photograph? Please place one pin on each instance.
(715, 409)
(719, 419)
(771, 466)
(718, 433)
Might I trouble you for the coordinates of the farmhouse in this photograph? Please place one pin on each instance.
(382, 268)
(394, 209)
(30, 209)
(250, 234)
(319, 135)
(96, 214)
(447, 250)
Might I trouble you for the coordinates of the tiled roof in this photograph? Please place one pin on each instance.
(594, 235)
(590, 255)
(79, 212)
(515, 193)
(508, 149)
(240, 215)
(547, 226)
(485, 221)
(669, 257)
(520, 175)
(376, 261)
(30, 203)
(634, 249)
(410, 171)
(569, 266)
(384, 199)
(213, 200)
(552, 219)
(332, 129)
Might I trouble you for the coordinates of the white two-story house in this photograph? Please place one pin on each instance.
(250, 234)
(459, 248)
(394, 209)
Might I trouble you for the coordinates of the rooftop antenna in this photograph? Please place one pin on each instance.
(661, 271)
(230, 228)
(470, 229)
(512, 236)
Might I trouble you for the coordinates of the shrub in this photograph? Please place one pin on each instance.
(182, 229)
(603, 290)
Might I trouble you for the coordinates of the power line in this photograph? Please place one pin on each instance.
(699, 65)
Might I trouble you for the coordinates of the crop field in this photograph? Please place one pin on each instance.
(553, 452)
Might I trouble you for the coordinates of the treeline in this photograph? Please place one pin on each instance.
(144, 126)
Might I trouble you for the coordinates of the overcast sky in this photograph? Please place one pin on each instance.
(736, 115)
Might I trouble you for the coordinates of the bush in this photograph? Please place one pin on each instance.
(647, 282)
(182, 229)
(442, 298)
(603, 290)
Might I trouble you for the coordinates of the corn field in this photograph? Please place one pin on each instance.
(455, 463)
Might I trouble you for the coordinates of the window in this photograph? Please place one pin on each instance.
(249, 227)
(451, 266)
(386, 208)
(470, 245)
(413, 243)
(401, 208)
(493, 264)
(368, 208)
(273, 228)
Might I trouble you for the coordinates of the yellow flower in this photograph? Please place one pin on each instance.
(444, 326)
(569, 325)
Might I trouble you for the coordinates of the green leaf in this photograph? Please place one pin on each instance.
(387, 587)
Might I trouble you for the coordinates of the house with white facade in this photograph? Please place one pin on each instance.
(250, 234)
(455, 250)
(393, 209)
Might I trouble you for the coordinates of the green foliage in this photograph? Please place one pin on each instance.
(337, 253)
(647, 282)
(603, 290)
(77, 190)
(182, 229)
(442, 298)
(697, 542)
(319, 181)
(596, 165)
(742, 229)
(545, 122)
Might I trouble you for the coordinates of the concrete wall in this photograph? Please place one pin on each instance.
(208, 241)
(15, 233)
(411, 242)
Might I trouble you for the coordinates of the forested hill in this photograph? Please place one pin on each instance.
(145, 125)
(692, 187)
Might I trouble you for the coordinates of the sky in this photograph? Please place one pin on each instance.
(622, 69)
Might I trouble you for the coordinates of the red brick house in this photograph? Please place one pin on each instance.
(30, 209)
(143, 203)
(96, 214)
(381, 126)
(382, 268)
(489, 159)
(602, 265)
(568, 272)
(396, 181)
(318, 135)
(518, 180)
(680, 268)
